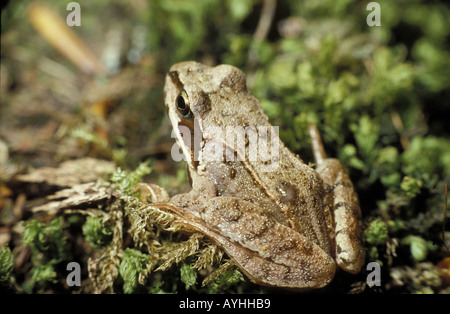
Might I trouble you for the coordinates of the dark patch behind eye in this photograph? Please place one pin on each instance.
(174, 76)
(202, 105)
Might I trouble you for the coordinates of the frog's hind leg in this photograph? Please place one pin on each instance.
(342, 201)
(317, 146)
(268, 252)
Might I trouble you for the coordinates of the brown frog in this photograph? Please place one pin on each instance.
(288, 225)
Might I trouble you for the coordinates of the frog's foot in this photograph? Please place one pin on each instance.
(152, 193)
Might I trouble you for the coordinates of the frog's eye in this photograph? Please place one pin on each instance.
(182, 103)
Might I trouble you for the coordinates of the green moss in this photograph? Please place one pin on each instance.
(45, 238)
(396, 225)
(225, 280)
(6, 264)
(348, 155)
(43, 274)
(132, 266)
(188, 275)
(376, 233)
(419, 247)
(96, 232)
(124, 181)
(427, 158)
(367, 134)
(48, 248)
(410, 186)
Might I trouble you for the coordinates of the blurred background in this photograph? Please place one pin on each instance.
(379, 96)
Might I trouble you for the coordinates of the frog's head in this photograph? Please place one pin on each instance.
(191, 86)
(199, 98)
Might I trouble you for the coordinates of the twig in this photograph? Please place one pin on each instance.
(262, 29)
(398, 124)
(265, 20)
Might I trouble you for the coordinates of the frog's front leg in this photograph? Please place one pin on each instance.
(151, 193)
(344, 204)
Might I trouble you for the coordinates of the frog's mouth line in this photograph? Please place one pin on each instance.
(192, 141)
(188, 137)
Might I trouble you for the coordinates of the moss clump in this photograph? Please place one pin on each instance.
(132, 269)
(45, 238)
(6, 264)
(376, 233)
(419, 247)
(188, 275)
(48, 248)
(124, 181)
(97, 232)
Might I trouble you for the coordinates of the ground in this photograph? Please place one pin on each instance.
(378, 94)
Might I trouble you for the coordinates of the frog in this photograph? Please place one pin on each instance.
(290, 226)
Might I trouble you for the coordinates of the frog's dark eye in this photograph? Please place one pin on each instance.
(182, 103)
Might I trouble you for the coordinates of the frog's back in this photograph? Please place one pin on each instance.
(292, 192)
(299, 192)
(287, 189)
